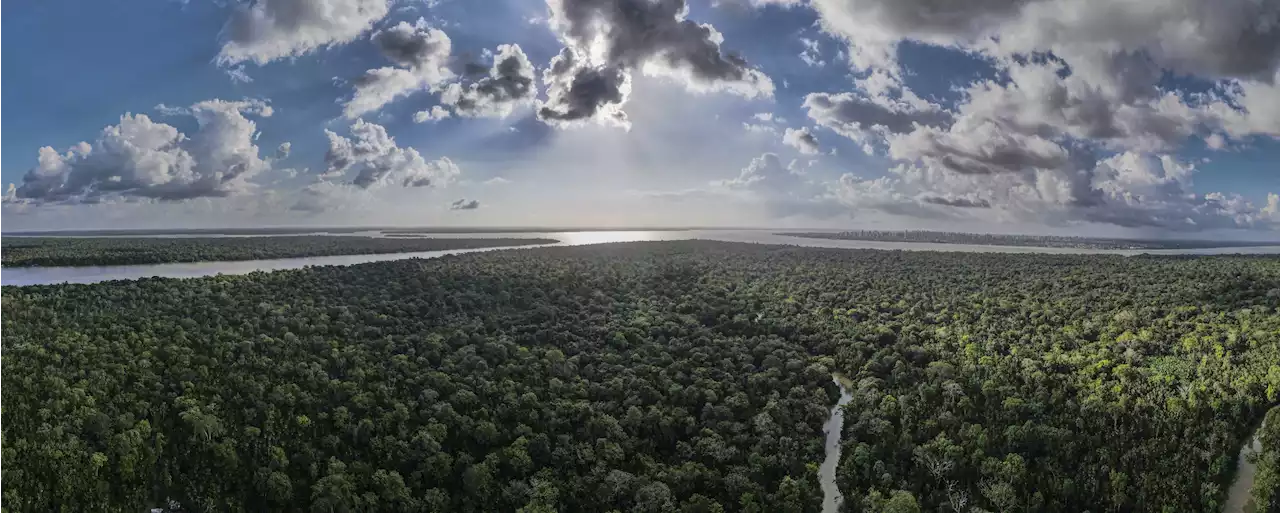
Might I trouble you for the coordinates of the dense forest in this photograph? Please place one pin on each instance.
(1040, 241)
(204, 232)
(1266, 485)
(86, 251)
(689, 376)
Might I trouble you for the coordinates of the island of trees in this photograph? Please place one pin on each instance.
(1042, 241)
(689, 376)
(89, 251)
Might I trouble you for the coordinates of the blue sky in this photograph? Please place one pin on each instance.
(900, 114)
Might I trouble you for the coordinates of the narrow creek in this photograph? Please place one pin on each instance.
(1239, 493)
(834, 428)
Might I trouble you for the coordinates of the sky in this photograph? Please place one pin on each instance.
(1154, 118)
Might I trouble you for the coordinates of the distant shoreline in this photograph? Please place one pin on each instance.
(114, 251)
(1040, 241)
(293, 230)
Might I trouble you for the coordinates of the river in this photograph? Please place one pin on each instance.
(834, 428)
(50, 275)
(1239, 493)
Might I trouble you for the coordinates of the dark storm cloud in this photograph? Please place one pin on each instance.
(510, 82)
(580, 93)
(634, 33)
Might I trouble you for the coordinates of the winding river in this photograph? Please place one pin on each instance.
(834, 428)
(94, 274)
(51, 275)
(1239, 493)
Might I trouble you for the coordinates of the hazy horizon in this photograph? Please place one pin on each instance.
(479, 229)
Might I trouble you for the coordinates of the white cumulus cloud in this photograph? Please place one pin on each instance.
(422, 54)
(142, 158)
(606, 40)
(802, 140)
(377, 160)
(267, 30)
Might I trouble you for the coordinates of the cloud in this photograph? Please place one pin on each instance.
(867, 118)
(1075, 79)
(282, 151)
(765, 186)
(766, 123)
(166, 110)
(416, 46)
(267, 30)
(578, 93)
(811, 54)
(378, 87)
(1251, 107)
(1028, 146)
(1146, 190)
(378, 161)
(1215, 142)
(1038, 100)
(141, 158)
(765, 173)
(436, 113)
(1090, 69)
(323, 196)
(874, 27)
(1129, 189)
(756, 3)
(802, 140)
(1234, 38)
(238, 75)
(497, 180)
(422, 52)
(464, 204)
(605, 40)
(857, 196)
(981, 149)
(510, 82)
(960, 202)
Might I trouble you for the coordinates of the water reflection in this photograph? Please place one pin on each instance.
(581, 238)
(47, 275)
(833, 429)
(1240, 494)
(18, 276)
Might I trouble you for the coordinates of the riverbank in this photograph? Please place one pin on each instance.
(124, 251)
(92, 274)
(833, 429)
(1240, 492)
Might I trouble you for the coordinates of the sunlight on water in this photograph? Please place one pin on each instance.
(47, 275)
(580, 238)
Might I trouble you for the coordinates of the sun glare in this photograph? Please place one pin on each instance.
(580, 238)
